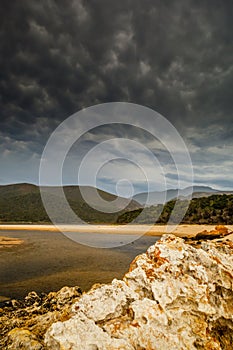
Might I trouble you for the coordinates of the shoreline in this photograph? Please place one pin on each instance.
(187, 230)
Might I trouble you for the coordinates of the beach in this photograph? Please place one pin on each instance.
(150, 230)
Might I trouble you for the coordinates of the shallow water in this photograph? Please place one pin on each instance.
(49, 260)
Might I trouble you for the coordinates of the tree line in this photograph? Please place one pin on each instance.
(215, 209)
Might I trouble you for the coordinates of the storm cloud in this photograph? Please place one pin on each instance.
(175, 57)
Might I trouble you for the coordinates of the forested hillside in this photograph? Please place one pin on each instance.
(215, 209)
(22, 203)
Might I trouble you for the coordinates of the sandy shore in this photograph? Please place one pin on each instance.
(150, 230)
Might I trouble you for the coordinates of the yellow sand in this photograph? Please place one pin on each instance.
(9, 241)
(151, 230)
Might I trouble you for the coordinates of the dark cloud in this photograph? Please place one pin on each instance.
(175, 57)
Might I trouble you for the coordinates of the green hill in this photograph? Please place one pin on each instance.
(215, 209)
(23, 203)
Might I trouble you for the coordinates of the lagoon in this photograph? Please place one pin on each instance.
(47, 261)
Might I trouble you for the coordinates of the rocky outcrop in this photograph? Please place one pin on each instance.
(219, 232)
(23, 323)
(177, 295)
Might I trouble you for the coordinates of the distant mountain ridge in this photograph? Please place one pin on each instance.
(161, 197)
(23, 203)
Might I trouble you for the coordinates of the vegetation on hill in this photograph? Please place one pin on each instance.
(215, 209)
(22, 203)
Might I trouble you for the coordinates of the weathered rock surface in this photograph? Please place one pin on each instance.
(218, 232)
(176, 296)
(23, 323)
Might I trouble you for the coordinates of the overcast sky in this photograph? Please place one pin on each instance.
(175, 57)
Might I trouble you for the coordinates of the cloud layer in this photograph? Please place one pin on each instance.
(174, 57)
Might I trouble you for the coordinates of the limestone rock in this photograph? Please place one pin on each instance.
(23, 339)
(23, 323)
(175, 296)
(218, 232)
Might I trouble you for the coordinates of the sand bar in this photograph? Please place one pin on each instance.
(10, 241)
